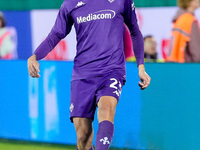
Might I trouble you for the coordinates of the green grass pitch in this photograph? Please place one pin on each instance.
(24, 145)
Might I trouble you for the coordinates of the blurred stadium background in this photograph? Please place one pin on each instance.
(34, 113)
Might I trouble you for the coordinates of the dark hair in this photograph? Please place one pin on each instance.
(2, 19)
(148, 36)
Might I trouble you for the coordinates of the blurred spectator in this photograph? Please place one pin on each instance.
(6, 45)
(185, 41)
(150, 54)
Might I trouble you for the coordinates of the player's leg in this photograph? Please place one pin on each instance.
(107, 98)
(82, 109)
(106, 108)
(106, 113)
(84, 133)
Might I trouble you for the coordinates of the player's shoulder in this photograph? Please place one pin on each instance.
(70, 4)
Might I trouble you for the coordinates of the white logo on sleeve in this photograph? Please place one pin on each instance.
(105, 141)
(79, 4)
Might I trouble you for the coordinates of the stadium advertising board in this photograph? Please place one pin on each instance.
(38, 109)
(164, 116)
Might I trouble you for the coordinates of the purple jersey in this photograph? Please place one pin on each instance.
(99, 29)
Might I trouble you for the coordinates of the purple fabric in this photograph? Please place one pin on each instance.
(99, 29)
(137, 38)
(104, 135)
(46, 46)
(84, 100)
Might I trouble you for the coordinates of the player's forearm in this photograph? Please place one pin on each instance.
(46, 46)
(141, 68)
(42, 50)
(138, 47)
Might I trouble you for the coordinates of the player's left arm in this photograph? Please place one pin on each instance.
(144, 77)
(130, 20)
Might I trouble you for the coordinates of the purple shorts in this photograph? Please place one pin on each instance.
(85, 93)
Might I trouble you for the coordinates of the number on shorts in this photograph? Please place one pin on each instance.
(112, 85)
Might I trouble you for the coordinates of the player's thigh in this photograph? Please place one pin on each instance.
(107, 103)
(108, 96)
(111, 86)
(106, 108)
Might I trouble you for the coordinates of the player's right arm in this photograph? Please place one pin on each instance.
(61, 28)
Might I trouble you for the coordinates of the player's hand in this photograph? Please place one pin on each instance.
(144, 77)
(33, 67)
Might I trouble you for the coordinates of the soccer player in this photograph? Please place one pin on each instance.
(99, 66)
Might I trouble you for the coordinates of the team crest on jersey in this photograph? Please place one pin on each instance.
(111, 1)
